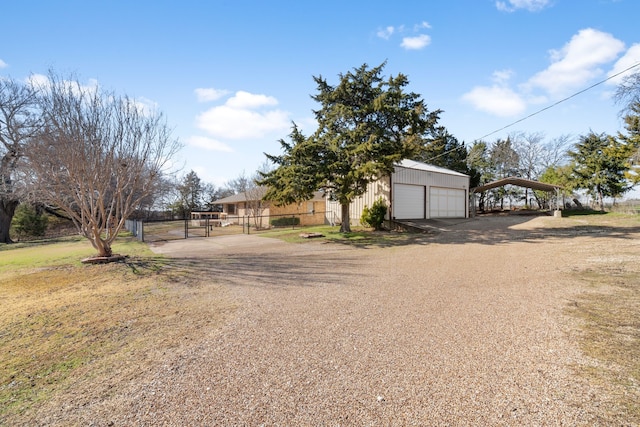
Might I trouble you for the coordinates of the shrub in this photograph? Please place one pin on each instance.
(285, 221)
(28, 222)
(374, 216)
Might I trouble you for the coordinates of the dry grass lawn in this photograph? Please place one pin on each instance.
(68, 325)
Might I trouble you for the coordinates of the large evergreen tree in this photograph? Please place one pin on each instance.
(631, 141)
(446, 151)
(599, 163)
(366, 124)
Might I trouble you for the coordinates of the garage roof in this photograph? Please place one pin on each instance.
(520, 182)
(412, 164)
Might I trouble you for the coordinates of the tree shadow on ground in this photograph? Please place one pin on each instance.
(272, 269)
(493, 231)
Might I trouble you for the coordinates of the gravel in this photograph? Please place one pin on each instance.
(446, 331)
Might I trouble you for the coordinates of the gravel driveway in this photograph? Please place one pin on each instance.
(464, 327)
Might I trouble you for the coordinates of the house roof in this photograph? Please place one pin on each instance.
(242, 197)
(236, 198)
(520, 182)
(413, 164)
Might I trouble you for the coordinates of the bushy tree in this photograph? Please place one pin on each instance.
(29, 222)
(444, 150)
(599, 164)
(366, 124)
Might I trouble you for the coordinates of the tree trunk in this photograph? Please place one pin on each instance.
(7, 210)
(103, 247)
(345, 225)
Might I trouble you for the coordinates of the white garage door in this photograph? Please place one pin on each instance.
(408, 201)
(447, 203)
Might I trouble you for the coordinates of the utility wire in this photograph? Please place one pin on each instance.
(560, 101)
(544, 109)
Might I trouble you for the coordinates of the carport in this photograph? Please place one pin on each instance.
(519, 182)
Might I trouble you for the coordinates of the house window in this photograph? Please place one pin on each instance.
(231, 209)
(310, 207)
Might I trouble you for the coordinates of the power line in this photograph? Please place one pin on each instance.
(545, 108)
(560, 101)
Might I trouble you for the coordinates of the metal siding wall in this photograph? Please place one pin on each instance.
(375, 190)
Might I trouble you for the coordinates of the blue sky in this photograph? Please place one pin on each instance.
(231, 76)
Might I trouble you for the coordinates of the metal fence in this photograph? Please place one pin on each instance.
(165, 230)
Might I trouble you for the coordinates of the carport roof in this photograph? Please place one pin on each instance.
(520, 182)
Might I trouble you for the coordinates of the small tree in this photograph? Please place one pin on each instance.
(374, 216)
(255, 195)
(190, 193)
(97, 157)
(29, 222)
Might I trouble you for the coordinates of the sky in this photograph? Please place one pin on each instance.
(231, 76)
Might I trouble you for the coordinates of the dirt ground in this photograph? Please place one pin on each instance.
(465, 325)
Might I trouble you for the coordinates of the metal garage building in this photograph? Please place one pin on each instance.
(422, 191)
(414, 190)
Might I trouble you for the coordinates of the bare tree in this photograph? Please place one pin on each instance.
(628, 92)
(239, 184)
(255, 204)
(19, 121)
(255, 193)
(555, 151)
(98, 157)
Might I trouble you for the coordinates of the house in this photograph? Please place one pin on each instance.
(413, 191)
(239, 206)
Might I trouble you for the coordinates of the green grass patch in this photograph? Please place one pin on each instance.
(358, 237)
(66, 251)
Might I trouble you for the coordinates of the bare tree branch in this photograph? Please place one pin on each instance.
(99, 156)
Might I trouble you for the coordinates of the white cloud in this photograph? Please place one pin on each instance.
(416, 43)
(630, 58)
(209, 144)
(244, 99)
(502, 76)
(498, 100)
(386, 32)
(577, 62)
(244, 116)
(530, 5)
(3, 64)
(209, 94)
